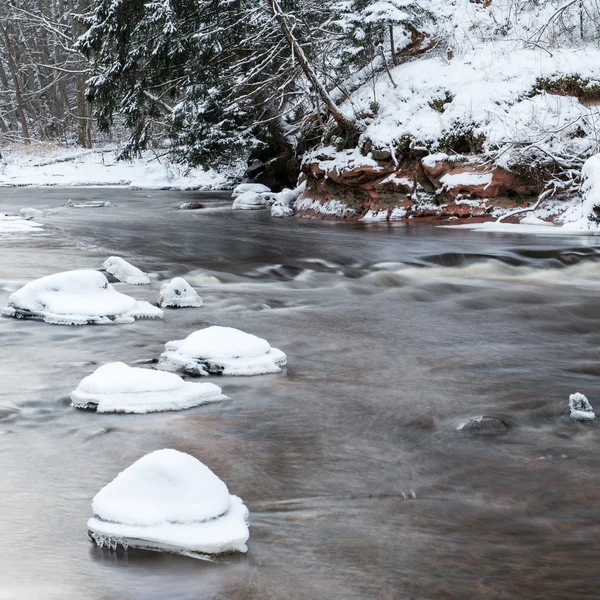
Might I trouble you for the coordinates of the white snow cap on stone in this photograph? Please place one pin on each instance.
(250, 201)
(31, 213)
(169, 501)
(178, 293)
(116, 387)
(124, 271)
(221, 350)
(580, 409)
(76, 298)
(242, 188)
(283, 206)
(92, 204)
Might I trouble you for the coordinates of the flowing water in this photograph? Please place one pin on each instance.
(358, 482)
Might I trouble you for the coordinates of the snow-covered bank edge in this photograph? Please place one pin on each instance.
(48, 165)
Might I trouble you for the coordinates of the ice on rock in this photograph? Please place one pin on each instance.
(123, 271)
(168, 501)
(223, 351)
(250, 201)
(178, 293)
(76, 298)
(580, 409)
(92, 204)
(116, 387)
(242, 188)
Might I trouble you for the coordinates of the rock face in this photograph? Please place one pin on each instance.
(349, 186)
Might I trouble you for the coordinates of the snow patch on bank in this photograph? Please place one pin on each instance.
(45, 165)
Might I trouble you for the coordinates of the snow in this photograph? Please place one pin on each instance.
(169, 501)
(31, 213)
(454, 180)
(10, 224)
(124, 271)
(47, 165)
(91, 204)
(283, 205)
(585, 214)
(76, 298)
(116, 387)
(330, 208)
(330, 159)
(249, 201)
(221, 350)
(178, 293)
(242, 188)
(393, 178)
(580, 409)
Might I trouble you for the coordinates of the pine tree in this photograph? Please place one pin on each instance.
(218, 77)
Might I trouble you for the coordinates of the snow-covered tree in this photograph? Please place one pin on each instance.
(377, 28)
(219, 77)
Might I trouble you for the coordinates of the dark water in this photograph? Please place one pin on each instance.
(358, 482)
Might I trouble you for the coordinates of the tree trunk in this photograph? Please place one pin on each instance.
(15, 77)
(303, 61)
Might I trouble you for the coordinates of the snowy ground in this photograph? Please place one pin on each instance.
(45, 165)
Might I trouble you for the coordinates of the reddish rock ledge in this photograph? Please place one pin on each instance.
(346, 186)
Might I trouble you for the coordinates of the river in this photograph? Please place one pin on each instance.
(358, 482)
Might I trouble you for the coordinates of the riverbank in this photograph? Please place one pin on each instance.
(43, 165)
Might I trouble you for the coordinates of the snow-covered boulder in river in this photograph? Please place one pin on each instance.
(76, 298)
(242, 188)
(91, 204)
(178, 293)
(221, 351)
(124, 271)
(250, 201)
(116, 387)
(580, 409)
(283, 206)
(168, 501)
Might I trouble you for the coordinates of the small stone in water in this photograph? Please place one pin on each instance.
(484, 425)
(580, 409)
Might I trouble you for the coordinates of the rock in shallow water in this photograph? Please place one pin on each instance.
(116, 387)
(580, 409)
(168, 501)
(221, 351)
(76, 298)
(125, 271)
(484, 425)
(178, 293)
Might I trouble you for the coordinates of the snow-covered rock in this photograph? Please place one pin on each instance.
(18, 224)
(168, 501)
(283, 206)
(249, 201)
(116, 387)
(92, 204)
(124, 271)
(76, 298)
(178, 293)
(242, 188)
(31, 213)
(221, 350)
(580, 409)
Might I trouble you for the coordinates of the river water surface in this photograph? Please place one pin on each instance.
(358, 483)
